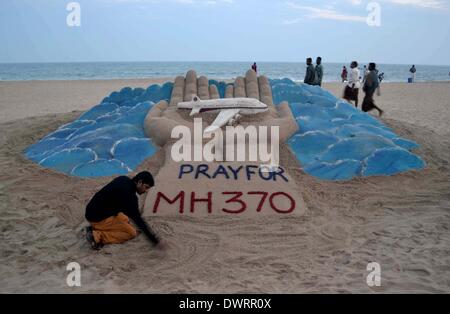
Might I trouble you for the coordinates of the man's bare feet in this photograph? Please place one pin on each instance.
(91, 240)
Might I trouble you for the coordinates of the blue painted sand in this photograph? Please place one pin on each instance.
(336, 141)
(107, 140)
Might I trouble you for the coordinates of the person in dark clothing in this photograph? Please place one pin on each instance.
(110, 209)
(254, 67)
(310, 72)
(370, 86)
(318, 72)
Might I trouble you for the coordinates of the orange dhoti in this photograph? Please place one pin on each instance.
(113, 230)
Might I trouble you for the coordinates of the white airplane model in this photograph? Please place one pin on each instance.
(231, 109)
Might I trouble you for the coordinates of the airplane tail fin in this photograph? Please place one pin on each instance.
(195, 98)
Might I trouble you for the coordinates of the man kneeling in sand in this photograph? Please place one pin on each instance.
(110, 209)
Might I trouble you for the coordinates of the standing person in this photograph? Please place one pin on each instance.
(351, 90)
(318, 72)
(344, 74)
(413, 73)
(310, 72)
(365, 72)
(110, 209)
(254, 67)
(370, 86)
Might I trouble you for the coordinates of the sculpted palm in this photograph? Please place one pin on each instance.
(164, 116)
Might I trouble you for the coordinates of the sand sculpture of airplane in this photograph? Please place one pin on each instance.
(231, 109)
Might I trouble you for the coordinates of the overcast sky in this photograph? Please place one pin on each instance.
(411, 31)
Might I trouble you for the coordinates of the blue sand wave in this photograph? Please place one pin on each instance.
(336, 141)
(107, 140)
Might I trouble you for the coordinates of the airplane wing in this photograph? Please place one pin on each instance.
(222, 118)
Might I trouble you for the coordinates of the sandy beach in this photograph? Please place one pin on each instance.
(401, 222)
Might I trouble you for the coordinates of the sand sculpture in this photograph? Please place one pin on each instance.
(331, 139)
(235, 188)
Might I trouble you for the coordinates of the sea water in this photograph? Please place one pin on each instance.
(215, 70)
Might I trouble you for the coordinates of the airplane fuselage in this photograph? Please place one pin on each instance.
(246, 106)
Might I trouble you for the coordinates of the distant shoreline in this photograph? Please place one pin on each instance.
(164, 79)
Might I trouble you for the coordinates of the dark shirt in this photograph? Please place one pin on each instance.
(371, 84)
(318, 75)
(118, 196)
(310, 75)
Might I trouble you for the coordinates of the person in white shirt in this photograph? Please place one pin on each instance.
(351, 90)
